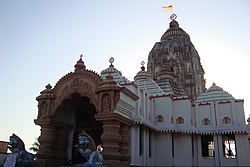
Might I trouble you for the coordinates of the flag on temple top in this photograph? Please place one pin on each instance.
(168, 8)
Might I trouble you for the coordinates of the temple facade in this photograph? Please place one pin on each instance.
(165, 117)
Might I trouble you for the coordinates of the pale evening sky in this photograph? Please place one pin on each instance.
(40, 41)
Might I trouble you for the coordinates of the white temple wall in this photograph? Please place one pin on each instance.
(134, 151)
(163, 106)
(182, 108)
(163, 149)
(140, 103)
(145, 106)
(148, 159)
(182, 150)
(143, 158)
(239, 113)
(215, 112)
(195, 152)
(184, 153)
(235, 116)
(151, 110)
(224, 110)
(202, 112)
(152, 157)
(243, 148)
(210, 111)
(193, 116)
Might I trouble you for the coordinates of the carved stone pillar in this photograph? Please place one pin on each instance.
(115, 139)
(115, 134)
(60, 146)
(124, 143)
(45, 154)
(111, 139)
(53, 142)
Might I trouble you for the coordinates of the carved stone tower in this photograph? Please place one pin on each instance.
(176, 54)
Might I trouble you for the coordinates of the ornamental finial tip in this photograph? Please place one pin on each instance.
(111, 60)
(142, 63)
(142, 66)
(173, 16)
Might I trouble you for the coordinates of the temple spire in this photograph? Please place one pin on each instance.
(80, 64)
(173, 58)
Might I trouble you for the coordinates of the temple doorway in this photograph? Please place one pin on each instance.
(79, 112)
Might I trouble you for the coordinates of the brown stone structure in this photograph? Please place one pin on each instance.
(174, 59)
(81, 100)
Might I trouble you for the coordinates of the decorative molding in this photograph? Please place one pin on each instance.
(204, 104)
(129, 93)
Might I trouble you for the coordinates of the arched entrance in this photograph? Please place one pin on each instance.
(79, 112)
(81, 100)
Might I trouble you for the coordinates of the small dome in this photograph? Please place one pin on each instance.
(174, 31)
(174, 24)
(214, 93)
(80, 65)
(116, 74)
(142, 75)
(111, 70)
(214, 87)
(46, 93)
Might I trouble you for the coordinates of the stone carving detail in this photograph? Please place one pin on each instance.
(66, 90)
(85, 88)
(43, 110)
(85, 153)
(106, 103)
(76, 84)
(19, 156)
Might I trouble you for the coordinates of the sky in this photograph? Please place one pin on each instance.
(40, 41)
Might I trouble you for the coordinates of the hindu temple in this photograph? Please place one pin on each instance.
(164, 117)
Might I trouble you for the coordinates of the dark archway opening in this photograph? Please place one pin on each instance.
(84, 117)
(79, 112)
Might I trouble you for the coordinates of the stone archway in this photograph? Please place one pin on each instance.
(63, 110)
(79, 113)
(81, 100)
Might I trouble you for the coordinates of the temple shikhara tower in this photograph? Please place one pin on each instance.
(164, 117)
(175, 62)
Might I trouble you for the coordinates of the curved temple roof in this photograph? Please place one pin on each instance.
(117, 75)
(214, 93)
